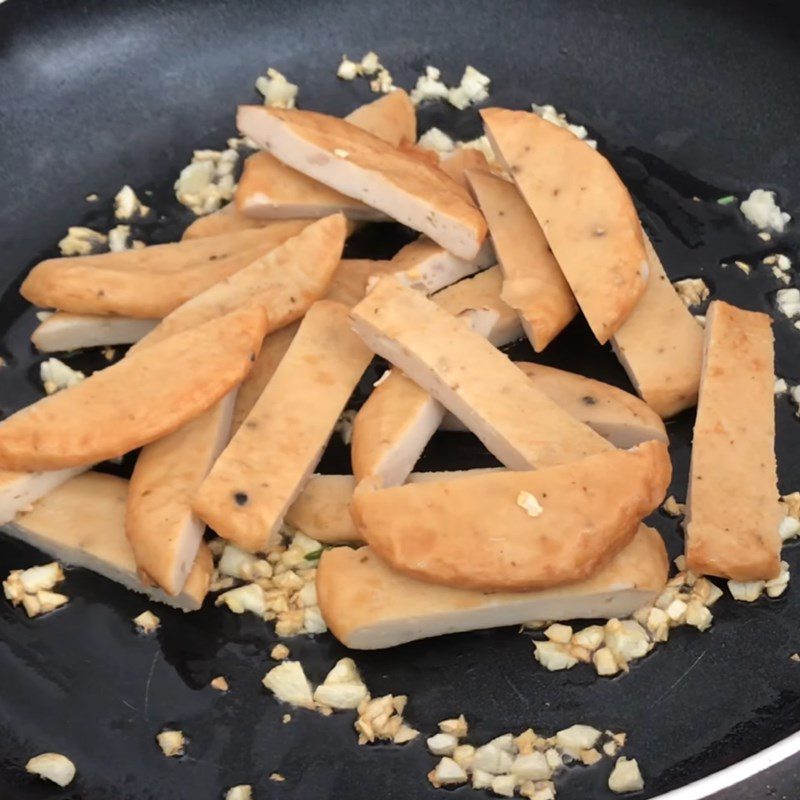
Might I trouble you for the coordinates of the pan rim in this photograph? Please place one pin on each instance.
(737, 773)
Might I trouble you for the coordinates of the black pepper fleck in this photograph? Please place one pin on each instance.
(241, 498)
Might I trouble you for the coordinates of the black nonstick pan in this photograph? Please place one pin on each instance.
(689, 100)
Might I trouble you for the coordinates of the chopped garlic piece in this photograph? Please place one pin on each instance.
(589, 757)
(207, 182)
(657, 624)
(147, 622)
(348, 70)
(693, 291)
(81, 242)
(698, 615)
(554, 656)
(706, 592)
(473, 88)
(792, 503)
(788, 302)
(128, 206)
(288, 682)
(559, 633)
(343, 687)
(503, 785)
(277, 91)
(775, 587)
(244, 598)
(118, 238)
(172, 743)
(743, 266)
(277, 777)
(746, 591)
(220, 683)
(625, 777)
(383, 83)
(550, 114)
(436, 140)
(279, 652)
(53, 767)
(442, 744)
(492, 759)
(50, 601)
(241, 792)
(590, 638)
(781, 387)
(456, 727)
(761, 210)
(44, 576)
(531, 767)
(789, 528)
(370, 63)
(429, 86)
(405, 733)
(382, 718)
(604, 662)
(783, 277)
(529, 503)
(240, 564)
(313, 621)
(627, 640)
(481, 779)
(673, 508)
(676, 611)
(56, 375)
(576, 738)
(447, 773)
(464, 755)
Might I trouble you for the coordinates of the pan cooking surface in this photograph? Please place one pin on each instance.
(688, 101)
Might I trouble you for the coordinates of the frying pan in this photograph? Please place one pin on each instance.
(687, 99)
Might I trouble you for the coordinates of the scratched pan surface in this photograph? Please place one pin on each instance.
(688, 101)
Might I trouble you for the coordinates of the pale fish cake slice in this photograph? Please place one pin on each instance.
(272, 352)
(425, 265)
(82, 524)
(360, 165)
(160, 525)
(152, 289)
(269, 189)
(515, 531)
(517, 423)
(227, 220)
(19, 490)
(584, 209)
(322, 510)
(732, 510)
(284, 283)
(63, 331)
(660, 345)
(349, 286)
(618, 416)
(135, 401)
(533, 283)
(368, 606)
(391, 118)
(273, 454)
